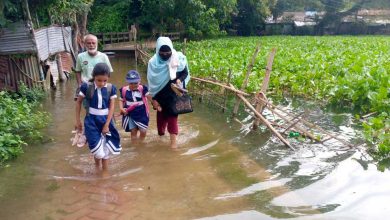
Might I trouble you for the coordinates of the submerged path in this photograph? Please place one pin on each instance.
(221, 171)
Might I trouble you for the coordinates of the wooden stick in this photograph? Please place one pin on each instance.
(307, 123)
(225, 92)
(302, 130)
(368, 115)
(264, 87)
(245, 82)
(184, 46)
(294, 122)
(220, 84)
(265, 121)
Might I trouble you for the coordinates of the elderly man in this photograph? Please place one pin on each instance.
(87, 60)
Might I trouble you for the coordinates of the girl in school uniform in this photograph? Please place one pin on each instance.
(99, 95)
(133, 103)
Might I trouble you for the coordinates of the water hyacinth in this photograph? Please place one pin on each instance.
(346, 71)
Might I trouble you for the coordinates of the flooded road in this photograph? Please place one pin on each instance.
(221, 171)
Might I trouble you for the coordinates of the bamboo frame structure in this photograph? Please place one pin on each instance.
(308, 124)
(295, 121)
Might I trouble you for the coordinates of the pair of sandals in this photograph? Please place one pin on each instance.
(79, 139)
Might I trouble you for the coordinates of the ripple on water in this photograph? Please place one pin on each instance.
(201, 148)
(265, 185)
(84, 166)
(131, 187)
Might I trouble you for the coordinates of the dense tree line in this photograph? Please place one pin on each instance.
(194, 18)
(205, 18)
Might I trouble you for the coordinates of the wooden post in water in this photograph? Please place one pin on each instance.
(245, 82)
(265, 121)
(134, 33)
(185, 45)
(61, 74)
(226, 92)
(264, 87)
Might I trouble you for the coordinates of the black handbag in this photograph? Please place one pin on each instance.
(182, 104)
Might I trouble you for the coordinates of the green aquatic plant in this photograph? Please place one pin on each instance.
(352, 73)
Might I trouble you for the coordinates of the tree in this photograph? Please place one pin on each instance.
(71, 12)
(199, 19)
(277, 7)
(224, 10)
(251, 15)
(10, 11)
(335, 10)
(109, 16)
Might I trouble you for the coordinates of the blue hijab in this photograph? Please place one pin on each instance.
(160, 71)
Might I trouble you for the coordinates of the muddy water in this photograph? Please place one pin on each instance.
(221, 171)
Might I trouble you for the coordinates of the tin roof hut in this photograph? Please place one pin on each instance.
(18, 58)
(23, 51)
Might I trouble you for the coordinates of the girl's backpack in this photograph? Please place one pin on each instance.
(140, 89)
(91, 91)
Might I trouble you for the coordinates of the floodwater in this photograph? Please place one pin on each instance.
(221, 171)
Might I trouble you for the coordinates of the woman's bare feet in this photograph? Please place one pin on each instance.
(173, 141)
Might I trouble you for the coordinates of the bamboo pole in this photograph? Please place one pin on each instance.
(368, 115)
(185, 45)
(220, 84)
(307, 123)
(225, 92)
(264, 87)
(294, 121)
(302, 130)
(134, 32)
(265, 121)
(245, 82)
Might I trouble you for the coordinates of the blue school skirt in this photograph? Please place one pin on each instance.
(101, 146)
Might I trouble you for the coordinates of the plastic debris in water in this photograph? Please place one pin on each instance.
(294, 134)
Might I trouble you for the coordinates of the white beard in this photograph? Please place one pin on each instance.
(92, 51)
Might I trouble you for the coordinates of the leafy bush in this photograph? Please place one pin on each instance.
(19, 121)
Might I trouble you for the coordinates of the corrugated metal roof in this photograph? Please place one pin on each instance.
(42, 43)
(16, 39)
(52, 40)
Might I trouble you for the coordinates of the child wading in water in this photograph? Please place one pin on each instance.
(134, 106)
(102, 136)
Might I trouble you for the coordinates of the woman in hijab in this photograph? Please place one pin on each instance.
(165, 67)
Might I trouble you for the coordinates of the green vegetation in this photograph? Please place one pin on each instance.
(20, 121)
(195, 19)
(352, 73)
(109, 18)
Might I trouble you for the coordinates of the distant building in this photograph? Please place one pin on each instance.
(303, 23)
